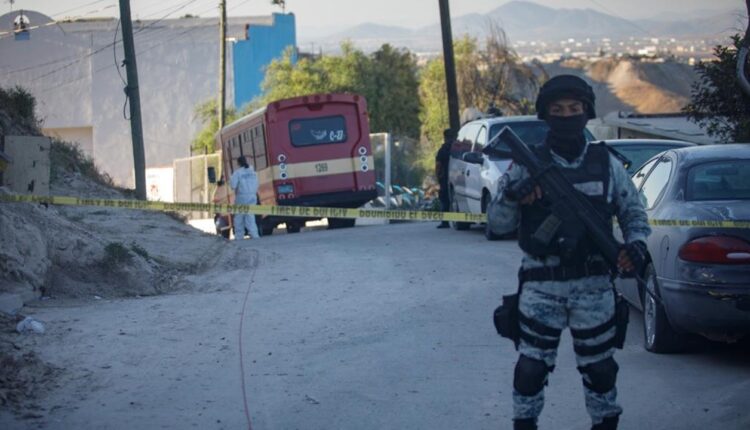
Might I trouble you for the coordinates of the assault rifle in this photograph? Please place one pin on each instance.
(566, 203)
(569, 206)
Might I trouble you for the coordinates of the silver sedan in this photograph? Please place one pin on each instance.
(698, 278)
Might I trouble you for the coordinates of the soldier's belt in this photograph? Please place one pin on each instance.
(564, 273)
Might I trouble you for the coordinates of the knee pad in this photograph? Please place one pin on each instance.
(600, 377)
(530, 376)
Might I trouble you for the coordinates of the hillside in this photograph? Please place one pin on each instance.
(526, 21)
(632, 85)
(52, 255)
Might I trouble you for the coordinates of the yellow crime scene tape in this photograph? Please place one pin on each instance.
(285, 211)
(312, 211)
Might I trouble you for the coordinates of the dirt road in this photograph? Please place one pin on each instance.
(378, 327)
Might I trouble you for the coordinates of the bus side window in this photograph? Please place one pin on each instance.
(259, 145)
(246, 145)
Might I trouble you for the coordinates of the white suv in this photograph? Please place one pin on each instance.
(472, 175)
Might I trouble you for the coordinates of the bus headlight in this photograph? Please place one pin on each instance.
(364, 167)
(282, 158)
(363, 159)
(362, 150)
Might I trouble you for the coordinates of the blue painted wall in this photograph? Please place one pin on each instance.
(264, 43)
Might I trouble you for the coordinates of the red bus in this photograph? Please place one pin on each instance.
(307, 151)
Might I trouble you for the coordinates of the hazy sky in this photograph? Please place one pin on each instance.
(337, 14)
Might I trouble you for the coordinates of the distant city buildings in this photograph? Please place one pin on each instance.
(687, 51)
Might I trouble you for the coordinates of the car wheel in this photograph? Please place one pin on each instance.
(454, 208)
(658, 335)
(488, 233)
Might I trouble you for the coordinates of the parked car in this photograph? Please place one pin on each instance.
(472, 175)
(638, 151)
(698, 276)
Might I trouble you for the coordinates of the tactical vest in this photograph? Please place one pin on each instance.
(541, 234)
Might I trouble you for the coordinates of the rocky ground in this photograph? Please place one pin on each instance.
(57, 255)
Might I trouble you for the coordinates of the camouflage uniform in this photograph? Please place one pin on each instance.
(547, 307)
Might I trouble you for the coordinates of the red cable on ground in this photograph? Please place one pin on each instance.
(242, 362)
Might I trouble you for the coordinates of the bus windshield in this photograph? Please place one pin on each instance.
(317, 131)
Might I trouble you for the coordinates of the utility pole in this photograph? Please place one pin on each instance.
(450, 67)
(133, 94)
(222, 60)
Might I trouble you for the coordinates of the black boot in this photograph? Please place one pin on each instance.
(608, 423)
(525, 424)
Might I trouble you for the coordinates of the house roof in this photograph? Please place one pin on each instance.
(670, 125)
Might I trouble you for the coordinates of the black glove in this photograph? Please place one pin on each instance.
(636, 252)
(517, 190)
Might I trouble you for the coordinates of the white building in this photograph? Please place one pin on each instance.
(72, 70)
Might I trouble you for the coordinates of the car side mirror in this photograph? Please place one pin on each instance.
(473, 157)
(212, 175)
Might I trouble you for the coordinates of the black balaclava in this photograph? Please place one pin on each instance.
(566, 136)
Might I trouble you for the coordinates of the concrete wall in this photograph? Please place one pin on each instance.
(263, 44)
(70, 69)
(29, 170)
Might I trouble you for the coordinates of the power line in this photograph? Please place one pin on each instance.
(631, 23)
(78, 7)
(100, 49)
(140, 52)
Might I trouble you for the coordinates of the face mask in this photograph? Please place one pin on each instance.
(567, 127)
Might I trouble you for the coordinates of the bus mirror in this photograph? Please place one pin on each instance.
(212, 175)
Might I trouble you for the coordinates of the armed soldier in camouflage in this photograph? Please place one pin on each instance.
(565, 281)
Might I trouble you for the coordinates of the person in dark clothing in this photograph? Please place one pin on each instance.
(441, 172)
(565, 281)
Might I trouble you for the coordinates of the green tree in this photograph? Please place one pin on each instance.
(717, 100)
(206, 112)
(386, 78)
(392, 91)
(492, 74)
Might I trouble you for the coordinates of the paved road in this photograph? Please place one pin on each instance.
(382, 327)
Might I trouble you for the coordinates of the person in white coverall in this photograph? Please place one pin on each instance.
(244, 182)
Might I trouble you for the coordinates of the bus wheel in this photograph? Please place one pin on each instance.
(293, 227)
(340, 223)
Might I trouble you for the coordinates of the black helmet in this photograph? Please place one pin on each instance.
(565, 86)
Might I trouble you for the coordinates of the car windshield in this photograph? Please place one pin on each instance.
(531, 132)
(639, 154)
(721, 180)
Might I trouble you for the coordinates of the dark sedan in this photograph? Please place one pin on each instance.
(698, 202)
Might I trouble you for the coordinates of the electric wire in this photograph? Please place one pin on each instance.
(109, 45)
(78, 7)
(114, 52)
(140, 52)
(629, 22)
